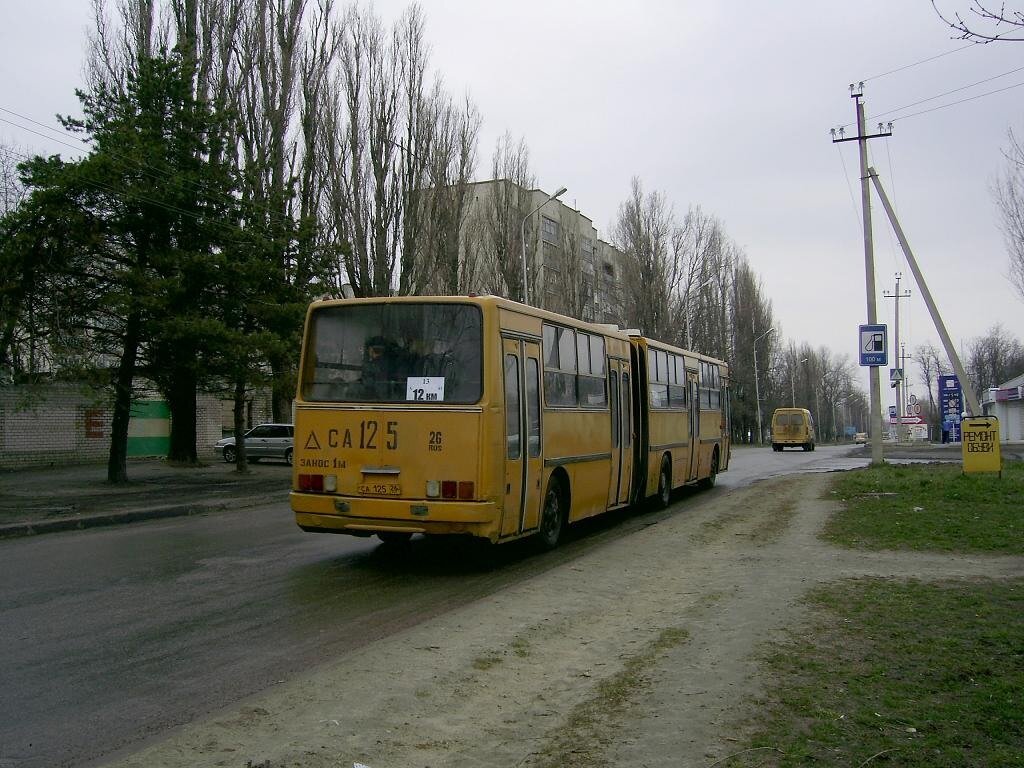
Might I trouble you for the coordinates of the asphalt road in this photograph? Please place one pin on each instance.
(111, 637)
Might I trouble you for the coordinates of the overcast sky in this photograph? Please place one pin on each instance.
(723, 105)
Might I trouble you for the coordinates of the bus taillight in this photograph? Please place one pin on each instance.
(463, 490)
(314, 483)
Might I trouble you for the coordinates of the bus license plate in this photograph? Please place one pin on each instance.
(379, 489)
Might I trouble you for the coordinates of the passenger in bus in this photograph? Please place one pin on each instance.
(375, 377)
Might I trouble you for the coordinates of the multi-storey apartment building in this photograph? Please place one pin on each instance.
(570, 269)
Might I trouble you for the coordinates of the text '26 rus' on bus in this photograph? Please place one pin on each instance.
(485, 417)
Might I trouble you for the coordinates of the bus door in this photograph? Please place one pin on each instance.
(523, 464)
(693, 395)
(619, 402)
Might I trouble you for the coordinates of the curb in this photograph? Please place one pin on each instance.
(20, 530)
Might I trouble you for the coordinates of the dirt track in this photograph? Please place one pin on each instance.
(640, 653)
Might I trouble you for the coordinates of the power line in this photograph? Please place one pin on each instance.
(961, 101)
(947, 93)
(940, 95)
(918, 63)
(125, 195)
(62, 133)
(849, 187)
(149, 170)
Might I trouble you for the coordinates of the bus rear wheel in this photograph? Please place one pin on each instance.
(394, 537)
(552, 519)
(664, 484)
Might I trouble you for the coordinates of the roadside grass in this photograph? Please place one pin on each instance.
(930, 506)
(905, 673)
(897, 673)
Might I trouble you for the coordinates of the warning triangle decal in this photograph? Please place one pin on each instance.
(312, 444)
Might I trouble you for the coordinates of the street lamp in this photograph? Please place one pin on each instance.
(686, 309)
(757, 386)
(526, 290)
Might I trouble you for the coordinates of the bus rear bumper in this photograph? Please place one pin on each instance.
(361, 516)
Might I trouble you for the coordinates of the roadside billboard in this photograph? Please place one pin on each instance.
(951, 406)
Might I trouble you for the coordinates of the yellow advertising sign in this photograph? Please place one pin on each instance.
(980, 436)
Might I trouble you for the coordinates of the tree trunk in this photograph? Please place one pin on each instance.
(282, 389)
(182, 401)
(238, 413)
(117, 460)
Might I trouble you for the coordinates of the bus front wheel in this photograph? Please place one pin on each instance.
(552, 520)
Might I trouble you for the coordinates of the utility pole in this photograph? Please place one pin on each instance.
(970, 397)
(901, 406)
(857, 93)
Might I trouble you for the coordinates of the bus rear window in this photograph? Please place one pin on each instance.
(390, 353)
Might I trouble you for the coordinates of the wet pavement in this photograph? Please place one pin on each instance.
(60, 498)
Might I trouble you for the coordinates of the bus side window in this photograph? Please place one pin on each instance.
(512, 430)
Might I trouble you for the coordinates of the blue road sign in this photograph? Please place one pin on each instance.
(874, 345)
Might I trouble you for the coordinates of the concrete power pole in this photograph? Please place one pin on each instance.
(901, 389)
(857, 92)
(970, 397)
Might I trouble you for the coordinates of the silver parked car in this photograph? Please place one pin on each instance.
(264, 441)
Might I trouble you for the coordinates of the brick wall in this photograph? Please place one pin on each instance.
(68, 424)
(55, 424)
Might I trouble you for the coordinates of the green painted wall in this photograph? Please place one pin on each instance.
(149, 430)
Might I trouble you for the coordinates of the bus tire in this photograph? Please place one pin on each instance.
(664, 495)
(394, 537)
(709, 481)
(552, 519)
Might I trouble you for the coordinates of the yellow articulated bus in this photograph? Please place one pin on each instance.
(486, 417)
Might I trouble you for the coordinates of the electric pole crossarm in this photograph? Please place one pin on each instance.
(866, 136)
(970, 398)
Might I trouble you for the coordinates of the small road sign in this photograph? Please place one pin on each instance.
(981, 444)
(874, 346)
(895, 375)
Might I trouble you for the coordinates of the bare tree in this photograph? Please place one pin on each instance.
(1009, 194)
(984, 22)
(708, 257)
(931, 364)
(574, 286)
(12, 191)
(993, 358)
(317, 251)
(433, 259)
(643, 231)
(752, 317)
(494, 233)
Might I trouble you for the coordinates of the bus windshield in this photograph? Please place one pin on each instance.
(390, 353)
